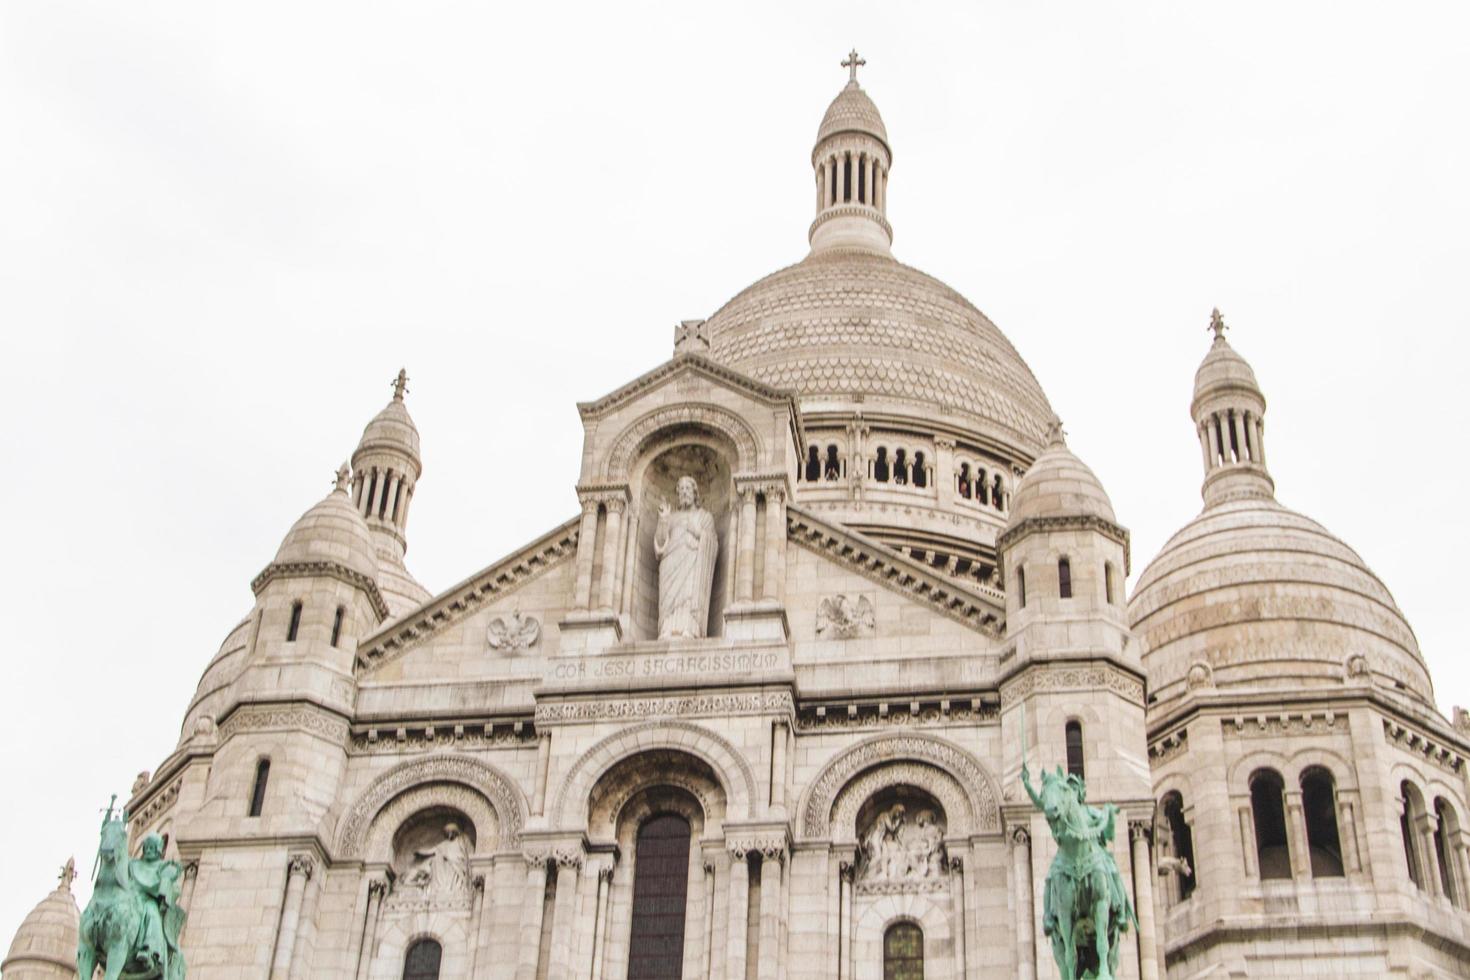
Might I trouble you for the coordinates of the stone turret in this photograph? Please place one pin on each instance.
(386, 467)
(1229, 410)
(45, 946)
(851, 159)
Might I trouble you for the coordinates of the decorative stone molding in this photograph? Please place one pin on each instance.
(514, 633)
(633, 778)
(158, 804)
(555, 855)
(1089, 677)
(1200, 675)
(423, 737)
(1140, 830)
(933, 780)
(477, 810)
(377, 888)
(510, 807)
(976, 782)
(284, 718)
(887, 567)
(770, 846)
(1462, 720)
(1355, 668)
(1090, 522)
(323, 569)
(1420, 744)
(1286, 724)
(682, 362)
(503, 577)
(728, 763)
(681, 706)
(840, 617)
(1019, 836)
(886, 715)
(1163, 749)
(636, 436)
(301, 864)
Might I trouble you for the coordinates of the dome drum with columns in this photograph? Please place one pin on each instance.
(758, 708)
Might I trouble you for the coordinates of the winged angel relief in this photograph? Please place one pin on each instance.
(841, 617)
(514, 633)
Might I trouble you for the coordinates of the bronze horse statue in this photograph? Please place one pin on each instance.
(131, 925)
(1086, 906)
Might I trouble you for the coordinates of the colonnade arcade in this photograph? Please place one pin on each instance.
(658, 855)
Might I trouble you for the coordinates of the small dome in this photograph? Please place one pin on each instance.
(1268, 598)
(46, 943)
(852, 112)
(1059, 485)
(331, 531)
(1223, 370)
(392, 429)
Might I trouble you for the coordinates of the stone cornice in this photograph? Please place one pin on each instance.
(887, 567)
(852, 210)
(464, 599)
(1080, 522)
(677, 364)
(322, 569)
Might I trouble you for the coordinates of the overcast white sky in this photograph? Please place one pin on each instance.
(223, 228)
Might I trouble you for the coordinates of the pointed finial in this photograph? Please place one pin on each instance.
(852, 63)
(400, 384)
(1055, 434)
(68, 874)
(344, 477)
(1217, 324)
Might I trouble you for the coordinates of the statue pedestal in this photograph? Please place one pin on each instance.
(756, 622)
(585, 633)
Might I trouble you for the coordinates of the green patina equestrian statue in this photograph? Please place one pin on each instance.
(131, 926)
(1086, 909)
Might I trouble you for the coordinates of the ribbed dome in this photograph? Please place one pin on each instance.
(847, 323)
(46, 943)
(852, 111)
(392, 428)
(1223, 370)
(331, 531)
(1060, 485)
(1269, 599)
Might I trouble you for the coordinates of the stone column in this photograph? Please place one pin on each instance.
(1260, 441)
(298, 873)
(1204, 448)
(957, 902)
(586, 541)
(376, 889)
(477, 922)
(1021, 887)
(773, 860)
(944, 472)
(612, 552)
(599, 930)
(186, 895)
(627, 584)
(1352, 857)
(778, 763)
(773, 579)
(568, 868)
(707, 927)
(1143, 897)
(1462, 865)
(1212, 428)
(543, 762)
(738, 910)
(745, 559)
(1296, 833)
(845, 872)
(1425, 824)
(1239, 434)
(531, 915)
(1248, 842)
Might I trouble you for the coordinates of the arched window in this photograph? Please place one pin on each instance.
(660, 883)
(1021, 585)
(1411, 806)
(1445, 826)
(295, 626)
(921, 478)
(997, 493)
(422, 961)
(962, 484)
(1064, 578)
(900, 467)
(903, 952)
(1075, 765)
(337, 624)
(1181, 844)
(813, 464)
(1108, 591)
(880, 466)
(257, 793)
(982, 489)
(834, 464)
(1319, 807)
(1267, 796)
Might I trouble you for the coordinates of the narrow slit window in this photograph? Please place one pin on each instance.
(1108, 582)
(257, 792)
(383, 497)
(1273, 856)
(921, 478)
(1319, 807)
(880, 466)
(834, 465)
(1064, 578)
(813, 464)
(1407, 815)
(1443, 855)
(337, 624)
(962, 482)
(295, 626)
(1021, 585)
(1075, 764)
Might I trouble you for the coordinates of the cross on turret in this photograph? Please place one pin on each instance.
(400, 384)
(68, 874)
(852, 63)
(1217, 324)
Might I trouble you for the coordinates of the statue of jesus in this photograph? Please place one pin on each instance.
(686, 544)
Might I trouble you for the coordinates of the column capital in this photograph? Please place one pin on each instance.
(1019, 836)
(1140, 830)
(377, 888)
(301, 864)
(191, 869)
(944, 445)
(956, 864)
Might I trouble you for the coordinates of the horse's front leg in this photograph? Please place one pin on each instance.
(1100, 911)
(117, 958)
(86, 961)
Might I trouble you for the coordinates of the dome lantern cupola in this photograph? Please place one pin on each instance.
(851, 161)
(1228, 410)
(45, 946)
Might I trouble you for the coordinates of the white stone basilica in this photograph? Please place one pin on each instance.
(759, 709)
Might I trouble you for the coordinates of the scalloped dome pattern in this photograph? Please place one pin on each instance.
(851, 111)
(858, 323)
(1268, 597)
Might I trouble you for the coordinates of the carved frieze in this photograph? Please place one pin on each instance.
(422, 738)
(1423, 745)
(910, 715)
(509, 805)
(683, 706)
(1078, 678)
(284, 718)
(1286, 724)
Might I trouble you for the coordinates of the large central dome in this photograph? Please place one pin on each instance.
(850, 324)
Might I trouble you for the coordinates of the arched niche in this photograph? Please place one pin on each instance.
(480, 791)
(706, 455)
(622, 793)
(431, 853)
(900, 830)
